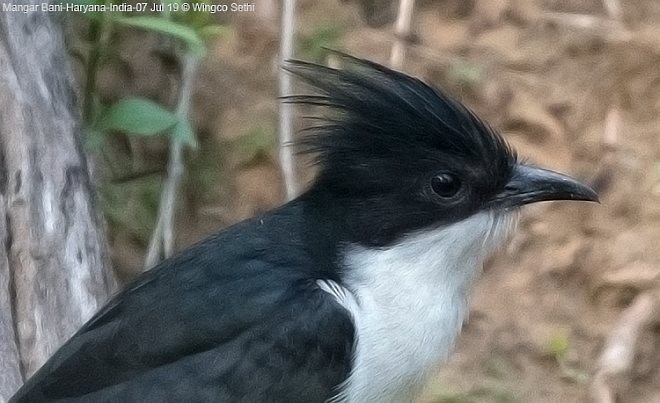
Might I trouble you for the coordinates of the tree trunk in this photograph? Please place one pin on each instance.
(54, 266)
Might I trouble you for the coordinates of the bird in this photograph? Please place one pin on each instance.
(355, 291)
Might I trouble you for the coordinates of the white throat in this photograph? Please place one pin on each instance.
(408, 302)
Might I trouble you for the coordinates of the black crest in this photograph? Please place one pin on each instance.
(384, 111)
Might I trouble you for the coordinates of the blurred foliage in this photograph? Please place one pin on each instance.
(133, 206)
(138, 116)
(162, 25)
(205, 172)
(558, 346)
(465, 74)
(315, 46)
(257, 141)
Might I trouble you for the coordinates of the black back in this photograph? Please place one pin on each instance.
(236, 318)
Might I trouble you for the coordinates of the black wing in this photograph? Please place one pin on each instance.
(226, 321)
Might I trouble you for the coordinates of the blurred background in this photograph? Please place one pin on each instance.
(565, 312)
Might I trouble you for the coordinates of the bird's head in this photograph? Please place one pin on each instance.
(399, 156)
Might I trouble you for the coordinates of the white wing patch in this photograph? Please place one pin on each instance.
(343, 296)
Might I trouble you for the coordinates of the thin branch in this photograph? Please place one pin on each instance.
(154, 252)
(402, 31)
(287, 162)
(162, 239)
(619, 351)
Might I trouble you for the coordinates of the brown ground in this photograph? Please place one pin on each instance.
(544, 306)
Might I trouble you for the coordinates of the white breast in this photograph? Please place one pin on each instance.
(408, 302)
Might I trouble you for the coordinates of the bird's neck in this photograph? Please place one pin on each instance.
(411, 302)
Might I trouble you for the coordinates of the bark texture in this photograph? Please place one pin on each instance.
(54, 267)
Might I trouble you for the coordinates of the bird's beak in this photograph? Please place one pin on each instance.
(530, 184)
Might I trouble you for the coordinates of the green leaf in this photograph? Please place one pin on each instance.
(184, 133)
(137, 116)
(558, 345)
(167, 27)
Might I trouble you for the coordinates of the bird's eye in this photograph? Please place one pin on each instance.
(445, 185)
